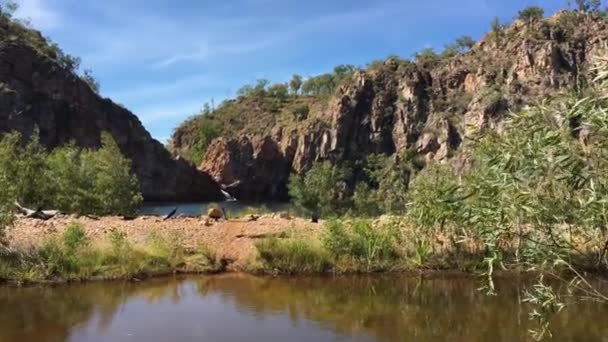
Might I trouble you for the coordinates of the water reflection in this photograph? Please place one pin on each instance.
(238, 307)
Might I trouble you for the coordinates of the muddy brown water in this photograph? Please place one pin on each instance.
(237, 307)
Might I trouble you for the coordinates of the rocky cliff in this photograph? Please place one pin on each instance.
(36, 91)
(427, 107)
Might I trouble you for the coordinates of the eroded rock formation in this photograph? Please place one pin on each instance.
(402, 105)
(36, 92)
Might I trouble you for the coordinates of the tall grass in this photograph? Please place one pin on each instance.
(72, 256)
(344, 246)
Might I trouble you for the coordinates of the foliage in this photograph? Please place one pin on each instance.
(497, 29)
(427, 57)
(8, 8)
(72, 255)
(360, 241)
(295, 84)
(325, 84)
(531, 13)
(292, 256)
(322, 190)
(68, 178)
(587, 6)
(24, 169)
(301, 112)
(209, 130)
(465, 42)
(541, 182)
(461, 45)
(88, 77)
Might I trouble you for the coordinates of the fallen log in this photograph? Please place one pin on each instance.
(37, 214)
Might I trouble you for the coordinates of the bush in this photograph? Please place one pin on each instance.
(209, 130)
(69, 179)
(427, 58)
(531, 13)
(301, 112)
(322, 190)
(61, 255)
(292, 256)
(359, 243)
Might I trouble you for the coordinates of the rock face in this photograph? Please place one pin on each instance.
(36, 92)
(402, 106)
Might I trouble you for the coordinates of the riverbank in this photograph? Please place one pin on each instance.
(70, 248)
(144, 247)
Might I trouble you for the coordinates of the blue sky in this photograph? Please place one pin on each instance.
(164, 59)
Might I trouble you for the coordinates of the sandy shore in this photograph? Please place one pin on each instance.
(232, 240)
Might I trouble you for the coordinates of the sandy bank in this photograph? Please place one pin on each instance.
(231, 239)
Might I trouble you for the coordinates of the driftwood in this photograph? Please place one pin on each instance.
(37, 214)
(171, 214)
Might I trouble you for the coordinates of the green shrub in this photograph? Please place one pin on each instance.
(300, 113)
(292, 256)
(69, 179)
(322, 190)
(209, 130)
(531, 13)
(360, 241)
(61, 254)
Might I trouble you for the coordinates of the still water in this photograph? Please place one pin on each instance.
(232, 208)
(246, 308)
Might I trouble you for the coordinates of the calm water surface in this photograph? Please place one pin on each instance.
(232, 208)
(246, 308)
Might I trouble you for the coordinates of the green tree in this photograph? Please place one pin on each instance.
(295, 84)
(279, 91)
(209, 130)
(8, 8)
(465, 43)
(588, 6)
(531, 13)
(116, 188)
(322, 190)
(88, 77)
(497, 29)
(427, 57)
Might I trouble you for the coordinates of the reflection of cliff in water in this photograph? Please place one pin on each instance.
(398, 308)
(383, 308)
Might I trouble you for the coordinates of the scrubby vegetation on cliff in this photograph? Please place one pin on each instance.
(12, 29)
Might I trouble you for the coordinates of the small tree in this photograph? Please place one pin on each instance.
(322, 190)
(588, 6)
(531, 13)
(88, 77)
(279, 91)
(295, 84)
(8, 8)
(427, 57)
(116, 188)
(465, 43)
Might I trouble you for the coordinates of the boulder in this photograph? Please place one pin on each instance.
(215, 214)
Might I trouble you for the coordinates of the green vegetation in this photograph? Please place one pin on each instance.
(13, 29)
(68, 178)
(531, 13)
(345, 246)
(322, 191)
(587, 6)
(72, 256)
(326, 190)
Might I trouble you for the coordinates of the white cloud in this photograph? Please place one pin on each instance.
(152, 90)
(37, 12)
